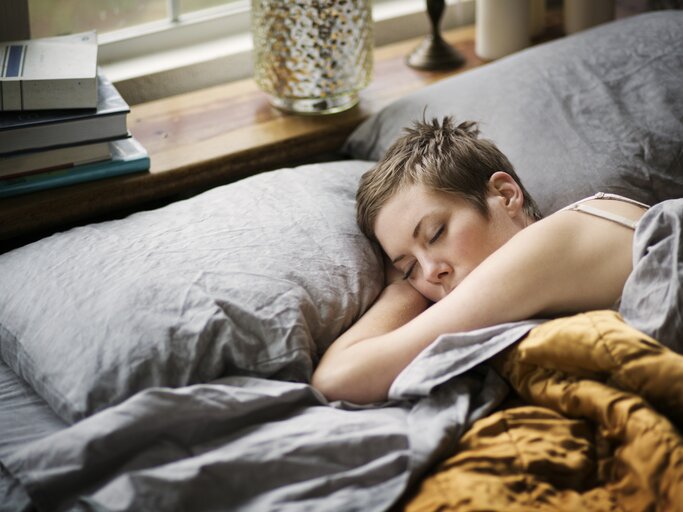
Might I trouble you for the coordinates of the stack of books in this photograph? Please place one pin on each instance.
(61, 121)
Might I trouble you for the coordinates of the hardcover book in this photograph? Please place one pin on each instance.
(49, 73)
(32, 162)
(128, 156)
(21, 131)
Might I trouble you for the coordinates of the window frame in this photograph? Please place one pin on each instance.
(211, 46)
(182, 30)
(176, 31)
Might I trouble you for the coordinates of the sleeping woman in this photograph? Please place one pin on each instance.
(465, 247)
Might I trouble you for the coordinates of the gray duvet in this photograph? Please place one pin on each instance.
(244, 443)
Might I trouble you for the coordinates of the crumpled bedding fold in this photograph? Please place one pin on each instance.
(601, 430)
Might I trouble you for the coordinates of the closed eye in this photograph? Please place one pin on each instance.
(437, 235)
(407, 273)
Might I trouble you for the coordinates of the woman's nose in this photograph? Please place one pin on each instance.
(435, 271)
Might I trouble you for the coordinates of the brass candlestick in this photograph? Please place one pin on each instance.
(433, 53)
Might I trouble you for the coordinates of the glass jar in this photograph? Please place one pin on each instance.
(312, 56)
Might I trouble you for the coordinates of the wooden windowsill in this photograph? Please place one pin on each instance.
(214, 136)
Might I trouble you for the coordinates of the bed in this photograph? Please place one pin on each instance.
(162, 361)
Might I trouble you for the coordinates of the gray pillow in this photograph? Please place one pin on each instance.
(598, 111)
(253, 278)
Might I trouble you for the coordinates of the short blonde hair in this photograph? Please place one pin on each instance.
(441, 156)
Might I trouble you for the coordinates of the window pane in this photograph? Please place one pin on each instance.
(51, 17)
(195, 5)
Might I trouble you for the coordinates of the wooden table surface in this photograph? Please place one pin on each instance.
(213, 136)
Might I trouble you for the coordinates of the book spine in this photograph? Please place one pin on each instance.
(35, 75)
(72, 176)
(13, 59)
(63, 94)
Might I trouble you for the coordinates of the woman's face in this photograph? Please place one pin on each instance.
(435, 239)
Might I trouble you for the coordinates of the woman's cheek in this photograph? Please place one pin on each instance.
(470, 247)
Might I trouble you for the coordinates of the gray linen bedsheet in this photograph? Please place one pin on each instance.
(24, 417)
(243, 443)
(653, 294)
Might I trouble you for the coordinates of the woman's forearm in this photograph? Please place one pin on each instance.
(397, 304)
(362, 369)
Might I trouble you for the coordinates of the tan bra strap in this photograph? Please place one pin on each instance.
(619, 219)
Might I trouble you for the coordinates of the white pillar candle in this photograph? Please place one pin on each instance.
(502, 27)
(583, 14)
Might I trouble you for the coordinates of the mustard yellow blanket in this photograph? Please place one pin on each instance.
(600, 428)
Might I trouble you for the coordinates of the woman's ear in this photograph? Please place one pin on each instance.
(503, 187)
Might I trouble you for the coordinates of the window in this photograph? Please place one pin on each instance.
(49, 18)
(154, 48)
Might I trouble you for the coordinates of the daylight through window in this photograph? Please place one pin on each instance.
(49, 18)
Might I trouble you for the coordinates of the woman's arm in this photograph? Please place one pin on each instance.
(397, 304)
(566, 263)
